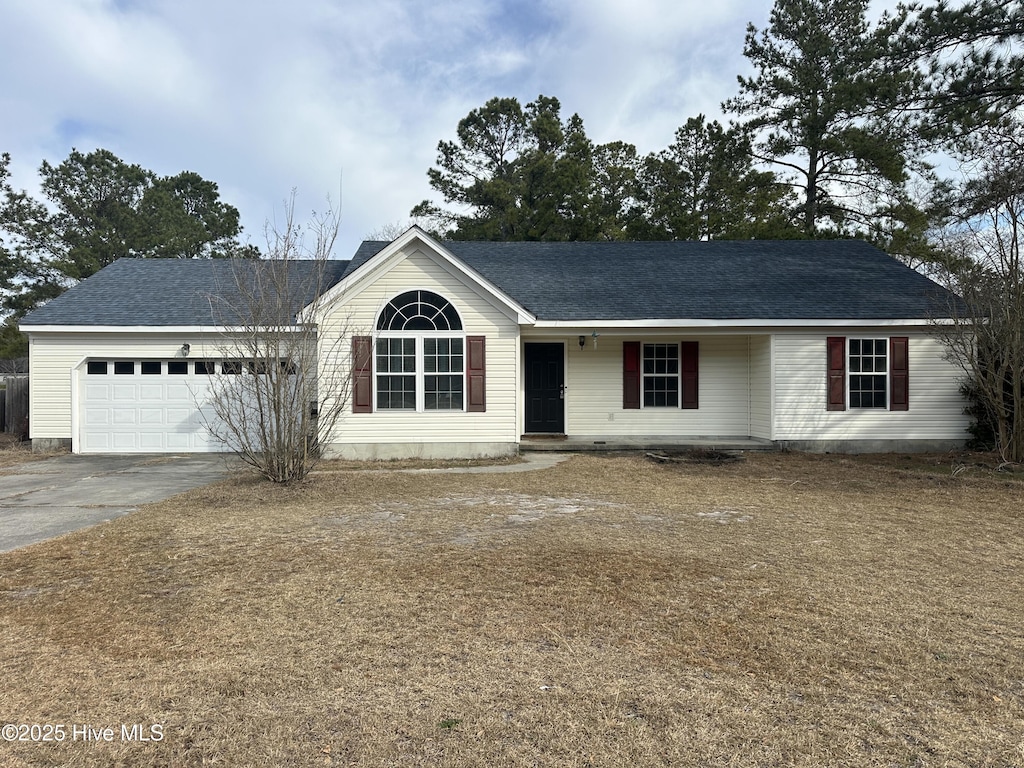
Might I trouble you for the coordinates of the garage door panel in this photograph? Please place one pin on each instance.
(97, 416)
(124, 416)
(179, 393)
(180, 442)
(178, 417)
(151, 416)
(124, 393)
(202, 438)
(202, 416)
(124, 442)
(97, 442)
(151, 413)
(97, 392)
(151, 441)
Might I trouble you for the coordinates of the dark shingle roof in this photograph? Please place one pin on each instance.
(684, 280)
(159, 292)
(722, 280)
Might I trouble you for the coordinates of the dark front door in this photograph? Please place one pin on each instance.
(545, 388)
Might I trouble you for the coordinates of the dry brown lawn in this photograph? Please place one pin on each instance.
(787, 610)
(13, 453)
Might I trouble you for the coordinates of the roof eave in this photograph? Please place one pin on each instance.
(738, 323)
(192, 329)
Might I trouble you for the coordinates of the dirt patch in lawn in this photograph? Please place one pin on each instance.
(695, 456)
(784, 610)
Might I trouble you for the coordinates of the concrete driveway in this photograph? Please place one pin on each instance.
(43, 499)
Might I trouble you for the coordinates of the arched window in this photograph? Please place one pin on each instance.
(419, 311)
(419, 360)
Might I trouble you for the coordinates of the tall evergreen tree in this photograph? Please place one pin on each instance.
(182, 216)
(526, 174)
(8, 264)
(476, 172)
(818, 106)
(969, 56)
(614, 197)
(704, 187)
(95, 209)
(12, 342)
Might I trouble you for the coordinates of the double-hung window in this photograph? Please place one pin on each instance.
(661, 375)
(396, 374)
(869, 373)
(419, 360)
(443, 374)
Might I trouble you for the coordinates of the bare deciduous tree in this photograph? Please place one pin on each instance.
(393, 230)
(986, 336)
(282, 385)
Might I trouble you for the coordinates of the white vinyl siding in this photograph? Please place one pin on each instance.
(936, 407)
(761, 387)
(594, 394)
(357, 315)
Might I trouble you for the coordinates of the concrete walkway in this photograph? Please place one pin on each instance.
(619, 443)
(43, 499)
(529, 463)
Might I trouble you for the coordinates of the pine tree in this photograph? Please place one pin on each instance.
(818, 106)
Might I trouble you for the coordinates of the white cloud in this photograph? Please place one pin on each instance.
(261, 96)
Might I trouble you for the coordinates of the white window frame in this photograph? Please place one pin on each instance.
(420, 338)
(850, 373)
(644, 375)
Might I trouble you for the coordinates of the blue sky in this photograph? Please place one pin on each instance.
(265, 97)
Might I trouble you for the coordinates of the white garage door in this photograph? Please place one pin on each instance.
(144, 406)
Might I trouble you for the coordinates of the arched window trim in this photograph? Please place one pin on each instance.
(417, 309)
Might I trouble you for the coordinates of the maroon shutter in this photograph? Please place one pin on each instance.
(837, 373)
(476, 374)
(362, 374)
(631, 374)
(899, 373)
(688, 363)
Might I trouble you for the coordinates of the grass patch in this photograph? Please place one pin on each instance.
(785, 610)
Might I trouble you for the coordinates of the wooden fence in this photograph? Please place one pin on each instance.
(15, 407)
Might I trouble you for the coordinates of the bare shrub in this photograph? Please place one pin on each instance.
(282, 386)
